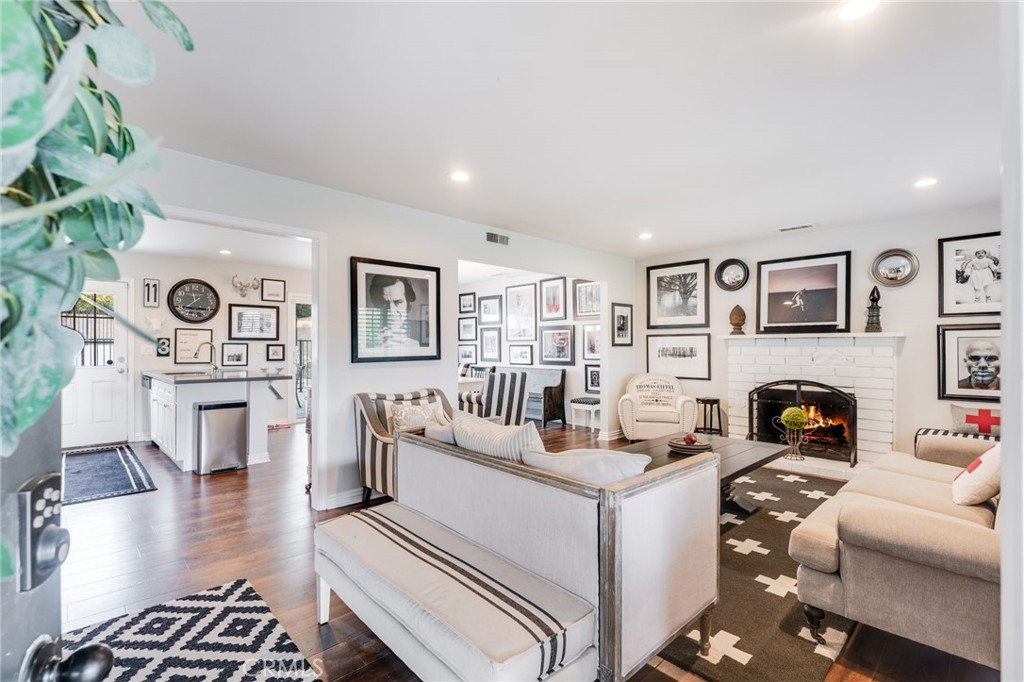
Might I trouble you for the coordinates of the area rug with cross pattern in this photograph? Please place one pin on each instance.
(759, 633)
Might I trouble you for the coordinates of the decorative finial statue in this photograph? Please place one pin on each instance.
(874, 312)
(737, 318)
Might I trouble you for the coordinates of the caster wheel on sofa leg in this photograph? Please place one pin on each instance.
(814, 617)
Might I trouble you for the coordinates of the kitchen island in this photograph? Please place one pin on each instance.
(172, 394)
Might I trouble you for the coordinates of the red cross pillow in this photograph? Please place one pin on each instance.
(976, 420)
(979, 482)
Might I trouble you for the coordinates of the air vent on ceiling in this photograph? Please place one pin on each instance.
(796, 227)
(496, 238)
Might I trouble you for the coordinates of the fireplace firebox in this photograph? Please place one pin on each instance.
(831, 430)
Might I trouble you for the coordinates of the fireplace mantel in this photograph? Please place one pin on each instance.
(864, 364)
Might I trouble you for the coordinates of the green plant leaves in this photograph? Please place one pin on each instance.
(35, 367)
(123, 54)
(21, 76)
(90, 113)
(168, 22)
(106, 223)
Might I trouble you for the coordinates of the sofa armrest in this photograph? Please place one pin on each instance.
(471, 397)
(687, 408)
(923, 538)
(955, 450)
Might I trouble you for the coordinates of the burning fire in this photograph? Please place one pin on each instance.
(816, 419)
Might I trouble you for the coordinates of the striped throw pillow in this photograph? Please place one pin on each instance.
(487, 438)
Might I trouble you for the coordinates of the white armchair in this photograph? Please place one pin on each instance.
(654, 406)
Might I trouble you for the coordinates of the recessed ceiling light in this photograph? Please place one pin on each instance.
(645, 235)
(925, 182)
(224, 252)
(856, 9)
(459, 176)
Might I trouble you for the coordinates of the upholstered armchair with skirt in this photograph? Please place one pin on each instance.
(375, 444)
(654, 406)
(503, 398)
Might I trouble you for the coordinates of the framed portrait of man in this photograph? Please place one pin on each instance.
(396, 312)
(970, 362)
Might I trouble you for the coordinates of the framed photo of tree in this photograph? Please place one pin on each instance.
(677, 295)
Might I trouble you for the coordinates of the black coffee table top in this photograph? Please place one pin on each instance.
(737, 456)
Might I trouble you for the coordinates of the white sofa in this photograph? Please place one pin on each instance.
(624, 567)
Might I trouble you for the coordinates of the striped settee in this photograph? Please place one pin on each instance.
(503, 398)
(486, 569)
(375, 446)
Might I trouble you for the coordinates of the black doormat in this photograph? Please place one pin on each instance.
(226, 633)
(103, 473)
(758, 632)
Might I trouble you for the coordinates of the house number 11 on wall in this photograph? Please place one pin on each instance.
(151, 293)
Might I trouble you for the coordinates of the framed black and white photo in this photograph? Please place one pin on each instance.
(970, 275)
(970, 360)
(272, 290)
(677, 295)
(467, 329)
(467, 303)
(490, 344)
(521, 312)
(552, 299)
(591, 342)
(520, 355)
(234, 354)
(684, 356)
(275, 352)
(807, 294)
(556, 345)
(253, 322)
(592, 378)
(622, 324)
(489, 310)
(587, 298)
(150, 293)
(193, 346)
(467, 354)
(396, 311)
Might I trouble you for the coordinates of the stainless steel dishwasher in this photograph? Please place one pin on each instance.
(222, 435)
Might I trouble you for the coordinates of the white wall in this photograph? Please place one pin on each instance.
(574, 380)
(912, 309)
(135, 267)
(358, 226)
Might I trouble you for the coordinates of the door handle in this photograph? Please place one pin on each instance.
(120, 370)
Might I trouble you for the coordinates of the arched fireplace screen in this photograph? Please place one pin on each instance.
(831, 430)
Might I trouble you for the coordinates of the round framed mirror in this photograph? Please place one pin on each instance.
(731, 274)
(894, 268)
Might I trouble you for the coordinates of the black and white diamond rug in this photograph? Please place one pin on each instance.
(224, 634)
(758, 632)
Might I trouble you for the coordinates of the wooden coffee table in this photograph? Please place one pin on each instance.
(737, 457)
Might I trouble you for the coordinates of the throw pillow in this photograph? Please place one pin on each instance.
(597, 467)
(979, 482)
(445, 434)
(975, 420)
(405, 417)
(487, 438)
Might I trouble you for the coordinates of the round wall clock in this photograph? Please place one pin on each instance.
(193, 301)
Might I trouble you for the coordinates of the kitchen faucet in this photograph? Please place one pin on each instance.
(212, 350)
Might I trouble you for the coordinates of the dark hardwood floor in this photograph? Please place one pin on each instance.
(196, 532)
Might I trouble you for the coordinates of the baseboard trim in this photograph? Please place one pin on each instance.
(344, 498)
(610, 435)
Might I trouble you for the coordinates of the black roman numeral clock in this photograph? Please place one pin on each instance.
(193, 301)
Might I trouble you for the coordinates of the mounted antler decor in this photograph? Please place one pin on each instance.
(244, 287)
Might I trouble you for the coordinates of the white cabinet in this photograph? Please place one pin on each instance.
(162, 420)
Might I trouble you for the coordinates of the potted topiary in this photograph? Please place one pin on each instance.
(794, 419)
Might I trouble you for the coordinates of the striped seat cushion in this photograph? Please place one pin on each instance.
(485, 617)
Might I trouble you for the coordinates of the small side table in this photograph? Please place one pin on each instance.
(590, 406)
(711, 407)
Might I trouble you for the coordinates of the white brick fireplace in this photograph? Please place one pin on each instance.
(862, 364)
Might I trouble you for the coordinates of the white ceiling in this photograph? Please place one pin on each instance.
(473, 273)
(589, 123)
(193, 240)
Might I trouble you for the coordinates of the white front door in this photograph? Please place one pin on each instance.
(95, 403)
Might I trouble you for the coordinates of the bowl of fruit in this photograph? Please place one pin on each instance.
(688, 444)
